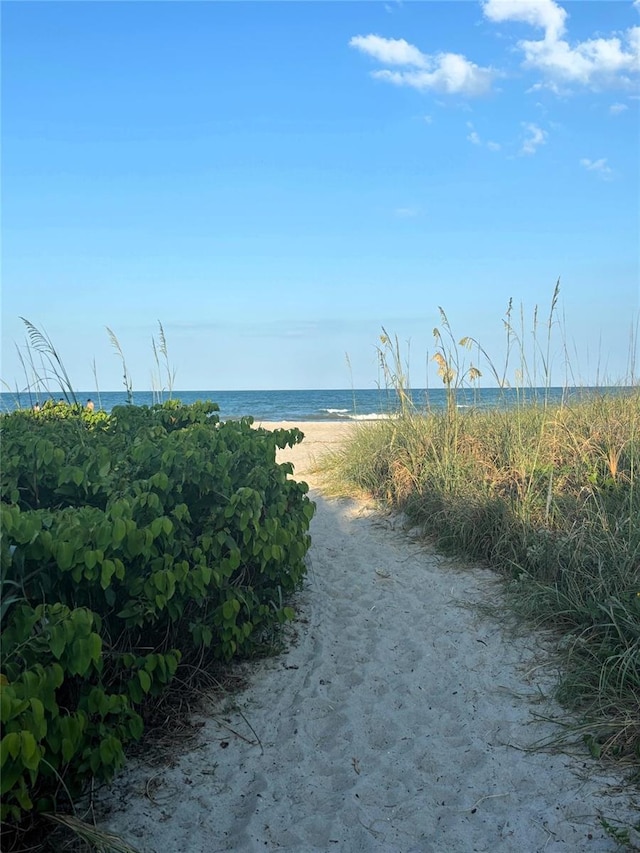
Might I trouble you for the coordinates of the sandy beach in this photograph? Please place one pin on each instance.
(398, 719)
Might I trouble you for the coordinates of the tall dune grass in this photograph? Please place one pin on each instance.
(546, 494)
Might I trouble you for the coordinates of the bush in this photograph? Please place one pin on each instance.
(130, 542)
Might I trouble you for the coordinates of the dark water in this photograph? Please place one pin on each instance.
(338, 405)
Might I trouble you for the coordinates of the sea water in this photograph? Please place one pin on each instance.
(322, 405)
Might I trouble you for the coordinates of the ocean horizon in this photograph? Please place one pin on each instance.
(322, 405)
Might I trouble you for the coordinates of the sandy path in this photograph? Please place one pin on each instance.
(393, 723)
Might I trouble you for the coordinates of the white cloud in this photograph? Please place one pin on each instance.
(535, 137)
(390, 51)
(593, 63)
(598, 166)
(429, 119)
(450, 73)
(474, 138)
(616, 109)
(539, 13)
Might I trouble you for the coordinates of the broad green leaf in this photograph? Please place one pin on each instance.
(79, 658)
(6, 705)
(119, 531)
(108, 569)
(65, 555)
(37, 709)
(30, 753)
(135, 691)
(68, 749)
(106, 751)
(57, 642)
(94, 642)
(9, 746)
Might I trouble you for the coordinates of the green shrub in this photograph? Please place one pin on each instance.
(130, 542)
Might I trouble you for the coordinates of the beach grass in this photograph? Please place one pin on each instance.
(546, 494)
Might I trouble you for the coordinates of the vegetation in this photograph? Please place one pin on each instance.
(549, 495)
(134, 546)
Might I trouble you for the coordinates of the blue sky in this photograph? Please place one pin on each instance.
(276, 181)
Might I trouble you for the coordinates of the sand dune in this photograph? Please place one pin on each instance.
(397, 720)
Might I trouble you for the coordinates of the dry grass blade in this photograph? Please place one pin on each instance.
(171, 374)
(97, 839)
(40, 342)
(115, 343)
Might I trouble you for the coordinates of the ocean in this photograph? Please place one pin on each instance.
(323, 405)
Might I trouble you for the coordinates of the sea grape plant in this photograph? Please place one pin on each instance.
(130, 542)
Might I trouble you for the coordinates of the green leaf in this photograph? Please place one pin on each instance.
(172, 659)
(6, 705)
(57, 642)
(37, 710)
(9, 746)
(23, 798)
(65, 555)
(160, 579)
(119, 531)
(30, 752)
(94, 643)
(68, 749)
(55, 675)
(108, 568)
(145, 680)
(136, 727)
(80, 657)
(134, 691)
(106, 751)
